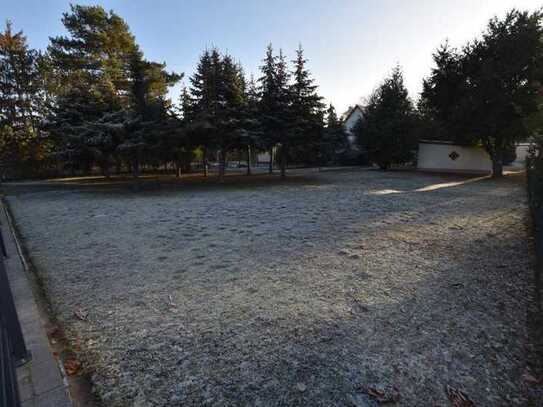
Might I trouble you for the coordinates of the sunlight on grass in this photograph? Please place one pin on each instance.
(450, 184)
(429, 188)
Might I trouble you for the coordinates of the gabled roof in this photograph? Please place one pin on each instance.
(447, 142)
(351, 111)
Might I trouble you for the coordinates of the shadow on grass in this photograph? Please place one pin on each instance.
(417, 308)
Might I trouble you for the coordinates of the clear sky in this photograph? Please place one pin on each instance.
(350, 44)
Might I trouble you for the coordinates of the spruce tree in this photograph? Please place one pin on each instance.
(253, 127)
(93, 66)
(306, 107)
(103, 77)
(334, 143)
(21, 142)
(267, 102)
(387, 130)
(284, 115)
(274, 104)
(203, 93)
(489, 90)
(218, 107)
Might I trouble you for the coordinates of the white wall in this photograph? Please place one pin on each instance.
(353, 119)
(350, 123)
(435, 157)
(263, 157)
(522, 152)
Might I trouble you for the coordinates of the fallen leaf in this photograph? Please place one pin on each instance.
(301, 386)
(529, 378)
(82, 315)
(382, 397)
(72, 366)
(170, 301)
(458, 398)
(55, 333)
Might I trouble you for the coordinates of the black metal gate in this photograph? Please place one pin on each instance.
(13, 350)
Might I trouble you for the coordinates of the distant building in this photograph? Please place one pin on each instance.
(446, 156)
(522, 152)
(353, 115)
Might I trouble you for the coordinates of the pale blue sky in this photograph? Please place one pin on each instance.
(351, 44)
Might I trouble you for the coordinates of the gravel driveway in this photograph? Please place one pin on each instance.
(311, 292)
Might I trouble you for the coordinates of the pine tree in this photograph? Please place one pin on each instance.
(218, 106)
(441, 92)
(93, 66)
(274, 104)
(231, 99)
(203, 93)
(103, 77)
(284, 116)
(334, 141)
(489, 90)
(306, 111)
(21, 142)
(155, 127)
(252, 125)
(185, 106)
(387, 130)
(267, 102)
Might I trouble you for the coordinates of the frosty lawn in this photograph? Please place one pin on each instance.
(293, 293)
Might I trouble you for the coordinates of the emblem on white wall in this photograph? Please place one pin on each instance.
(454, 156)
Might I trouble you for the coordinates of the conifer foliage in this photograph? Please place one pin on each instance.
(111, 102)
(487, 92)
(22, 100)
(387, 131)
(94, 101)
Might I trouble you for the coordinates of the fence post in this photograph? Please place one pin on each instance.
(2, 244)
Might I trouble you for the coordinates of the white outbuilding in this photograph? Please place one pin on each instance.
(353, 115)
(446, 156)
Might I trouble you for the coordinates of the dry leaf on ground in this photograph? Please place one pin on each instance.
(458, 398)
(382, 396)
(529, 378)
(82, 315)
(72, 366)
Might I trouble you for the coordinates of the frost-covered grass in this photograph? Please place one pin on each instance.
(293, 293)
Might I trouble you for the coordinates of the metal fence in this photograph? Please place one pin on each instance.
(13, 351)
(534, 171)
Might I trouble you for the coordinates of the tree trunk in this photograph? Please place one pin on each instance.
(177, 169)
(497, 168)
(204, 158)
(222, 164)
(283, 161)
(248, 160)
(136, 169)
(105, 170)
(497, 163)
(270, 169)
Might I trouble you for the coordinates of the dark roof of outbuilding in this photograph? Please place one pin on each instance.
(452, 143)
(351, 111)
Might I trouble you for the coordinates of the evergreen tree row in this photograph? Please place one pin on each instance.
(93, 101)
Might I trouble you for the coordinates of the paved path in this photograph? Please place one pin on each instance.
(40, 380)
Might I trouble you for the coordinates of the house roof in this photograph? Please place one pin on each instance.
(351, 111)
(448, 142)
